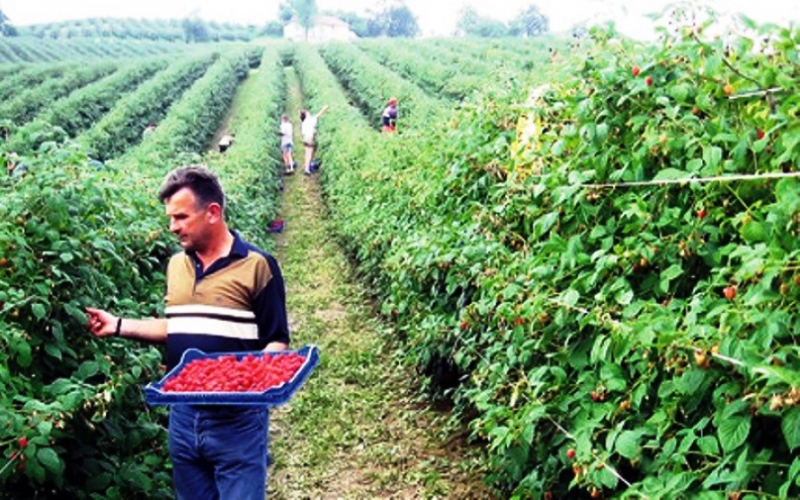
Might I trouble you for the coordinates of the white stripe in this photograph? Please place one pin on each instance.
(201, 309)
(217, 327)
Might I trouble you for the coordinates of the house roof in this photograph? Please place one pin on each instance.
(330, 21)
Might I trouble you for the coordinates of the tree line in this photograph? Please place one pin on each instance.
(394, 19)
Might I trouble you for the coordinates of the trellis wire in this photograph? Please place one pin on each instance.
(696, 180)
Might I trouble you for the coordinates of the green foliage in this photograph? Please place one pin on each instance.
(195, 31)
(122, 127)
(6, 28)
(272, 29)
(559, 312)
(138, 30)
(371, 85)
(77, 233)
(529, 22)
(35, 50)
(26, 103)
(285, 12)
(470, 23)
(363, 27)
(252, 169)
(78, 111)
(29, 77)
(66, 244)
(397, 21)
(305, 11)
(190, 121)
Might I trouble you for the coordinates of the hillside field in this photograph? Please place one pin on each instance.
(575, 265)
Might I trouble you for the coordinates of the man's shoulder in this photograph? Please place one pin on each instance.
(258, 252)
(177, 258)
(251, 249)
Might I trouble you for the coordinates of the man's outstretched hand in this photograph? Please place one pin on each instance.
(101, 323)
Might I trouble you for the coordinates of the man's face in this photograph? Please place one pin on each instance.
(187, 220)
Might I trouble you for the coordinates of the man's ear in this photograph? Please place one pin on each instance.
(214, 213)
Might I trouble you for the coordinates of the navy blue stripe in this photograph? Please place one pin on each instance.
(232, 319)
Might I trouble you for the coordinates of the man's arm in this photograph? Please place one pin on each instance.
(276, 346)
(104, 324)
(270, 309)
(322, 111)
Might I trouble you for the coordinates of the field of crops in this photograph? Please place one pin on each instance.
(589, 246)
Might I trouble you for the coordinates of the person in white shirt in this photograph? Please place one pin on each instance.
(225, 142)
(308, 129)
(287, 143)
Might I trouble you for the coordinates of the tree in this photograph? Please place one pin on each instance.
(470, 23)
(467, 18)
(6, 28)
(285, 12)
(272, 29)
(195, 30)
(305, 11)
(399, 21)
(364, 27)
(530, 22)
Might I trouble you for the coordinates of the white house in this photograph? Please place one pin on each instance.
(325, 29)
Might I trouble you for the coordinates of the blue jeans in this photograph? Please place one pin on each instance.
(219, 453)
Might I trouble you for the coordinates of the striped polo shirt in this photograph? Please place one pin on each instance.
(237, 304)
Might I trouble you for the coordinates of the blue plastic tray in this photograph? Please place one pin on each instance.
(274, 396)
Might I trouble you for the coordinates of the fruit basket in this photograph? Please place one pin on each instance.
(276, 226)
(167, 392)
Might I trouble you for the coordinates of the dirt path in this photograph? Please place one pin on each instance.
(354, 431)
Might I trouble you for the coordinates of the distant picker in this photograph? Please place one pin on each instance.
(389, 116)
(225, 142)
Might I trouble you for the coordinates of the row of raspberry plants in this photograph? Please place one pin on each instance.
(252, 170)
(631, 343)
(6, 70)
(357, 169)
(74, 236)
(416, 61)
(29, 50)
(122, 127)
(371, 84)
(31, 76)
(192, 119)
(83, 107)
(7, 54)
(26, 103)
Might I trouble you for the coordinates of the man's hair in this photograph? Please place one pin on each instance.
(284, 117)
(303, 115)
(199, 179)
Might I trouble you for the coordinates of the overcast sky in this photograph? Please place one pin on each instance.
(435, 17)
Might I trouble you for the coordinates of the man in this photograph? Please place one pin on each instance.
(223, 295)
(308, 129)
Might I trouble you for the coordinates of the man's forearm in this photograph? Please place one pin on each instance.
(276, 346)
(149, 330)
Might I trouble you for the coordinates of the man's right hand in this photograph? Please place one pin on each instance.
(101, 323)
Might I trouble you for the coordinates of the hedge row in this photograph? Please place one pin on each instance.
(631, 342)
(72, 236)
